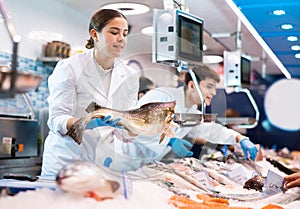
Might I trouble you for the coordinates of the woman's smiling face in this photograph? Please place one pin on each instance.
(113, 38)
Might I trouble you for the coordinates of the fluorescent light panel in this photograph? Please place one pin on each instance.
(286, 26)
(128, 8)
(295, 47)
(278, 12)
(292, 38)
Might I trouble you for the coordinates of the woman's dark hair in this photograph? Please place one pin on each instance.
(99, 20)
(202, 72)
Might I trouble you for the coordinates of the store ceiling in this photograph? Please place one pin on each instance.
(268, 25)
(220, 19)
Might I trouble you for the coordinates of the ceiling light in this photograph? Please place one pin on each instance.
(292, 38)
(278, 12)
(295, 47)
(147, 30)
(128, 8)
(286, 26)
(212, 59)
(297, 56)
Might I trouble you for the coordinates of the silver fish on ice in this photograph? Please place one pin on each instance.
(87, 179)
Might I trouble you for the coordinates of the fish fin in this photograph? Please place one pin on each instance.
(76, 130)
(168, 120)
(152, 103)
(114, 185)
(148, 104)
(162, 136)
(93, 106)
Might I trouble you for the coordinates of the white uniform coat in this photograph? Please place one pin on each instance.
(75, 83)
(212, 132)
(152, 150)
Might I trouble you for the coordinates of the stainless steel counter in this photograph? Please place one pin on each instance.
(29, 165)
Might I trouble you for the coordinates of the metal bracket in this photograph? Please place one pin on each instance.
(253, 103)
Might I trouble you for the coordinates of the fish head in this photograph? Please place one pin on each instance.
(85, 177)
(165, 109)
(169, 107)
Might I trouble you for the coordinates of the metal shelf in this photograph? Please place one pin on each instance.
(236, 120)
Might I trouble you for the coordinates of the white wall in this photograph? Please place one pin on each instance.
(43, 15)
(54, 17)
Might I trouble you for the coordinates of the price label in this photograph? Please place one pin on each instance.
(238, 174)
(273, 184)
(203, 178)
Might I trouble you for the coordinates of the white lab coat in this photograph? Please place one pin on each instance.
(74, 83)
(212, 132)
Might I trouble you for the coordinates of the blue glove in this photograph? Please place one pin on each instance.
(248, 147)
(178, 147)
(224, 150)
(103, 122)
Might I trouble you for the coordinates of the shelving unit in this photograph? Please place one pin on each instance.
(52, 61)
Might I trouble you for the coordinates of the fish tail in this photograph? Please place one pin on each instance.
(162, 136)
(76, 130)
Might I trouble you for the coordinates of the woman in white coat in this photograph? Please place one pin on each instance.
(95, 75)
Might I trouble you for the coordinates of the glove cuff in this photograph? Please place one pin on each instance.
(244, 139)
(171, 141)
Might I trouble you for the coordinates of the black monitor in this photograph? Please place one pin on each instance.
(245, 71)
(178, 36)
(190, 34)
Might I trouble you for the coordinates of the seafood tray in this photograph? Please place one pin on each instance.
(236, 120)
(192, 119)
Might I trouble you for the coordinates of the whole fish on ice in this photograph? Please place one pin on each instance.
(87, 179)
(149, 119)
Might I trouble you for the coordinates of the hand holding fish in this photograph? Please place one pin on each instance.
(103, 122)
(149, 119)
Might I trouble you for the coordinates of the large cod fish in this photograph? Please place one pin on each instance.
(149, 119)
